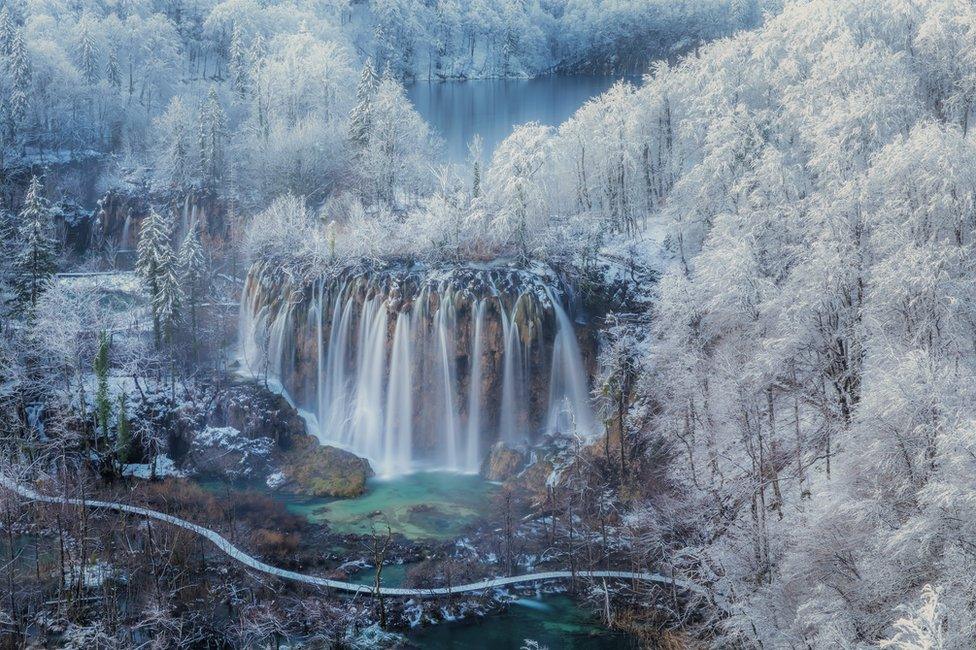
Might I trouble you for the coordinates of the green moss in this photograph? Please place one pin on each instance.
(318, 471)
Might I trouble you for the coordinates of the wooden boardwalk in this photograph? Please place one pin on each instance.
(257, 565)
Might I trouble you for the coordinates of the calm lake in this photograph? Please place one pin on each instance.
(457, 110)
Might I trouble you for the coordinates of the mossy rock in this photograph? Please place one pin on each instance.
(321, 471)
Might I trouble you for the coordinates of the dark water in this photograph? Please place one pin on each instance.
(554, 621)
(491, 108)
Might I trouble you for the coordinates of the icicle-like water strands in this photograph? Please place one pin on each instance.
(420, 369)
(472, 453)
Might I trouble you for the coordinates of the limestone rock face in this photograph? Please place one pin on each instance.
(223, 452)
(320, 471)
(503, 463)
(257, 412)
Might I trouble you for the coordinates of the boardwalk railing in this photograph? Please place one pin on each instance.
(248, 561)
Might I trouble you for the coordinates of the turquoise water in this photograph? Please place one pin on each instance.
(394, 575)
(425, 505)
(553, 621)
(437, 506)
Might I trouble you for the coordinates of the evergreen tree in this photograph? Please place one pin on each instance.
(20, 73)
(8, 31)
(112, 71)
(153, 254)
(474, 154)
(360, 121)
(174, 164)
(193, 269)
(168, 300)
(123, 433)
(36, 257)
(103, 408)
(239, 72)
(212, 133)
(88, 51)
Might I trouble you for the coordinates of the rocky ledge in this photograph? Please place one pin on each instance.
(254, 434)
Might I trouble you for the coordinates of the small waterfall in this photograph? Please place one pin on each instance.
(569, 396)
(125, 242)
(419, 369)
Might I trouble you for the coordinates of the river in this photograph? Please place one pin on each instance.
(491, 108)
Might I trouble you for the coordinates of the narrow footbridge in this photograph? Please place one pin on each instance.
(248, 561)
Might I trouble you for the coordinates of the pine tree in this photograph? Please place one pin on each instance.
(36, 258)
(175, 165)
(474, 154)
(88, 52)
(193, 269)
(169, 297)
(7, 32)
(103, 408)
(239, 72)
(123, 433)
(212, 132)
(153, 254)
(360, 121)
(20, 73)
(112, 71)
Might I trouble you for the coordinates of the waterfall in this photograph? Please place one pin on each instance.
(419, 369)
(472, 452)
(569, 397)
(125, 239)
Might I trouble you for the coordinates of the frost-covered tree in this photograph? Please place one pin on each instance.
(395, 33)
(297, 137)
(155, 267)
(475, 153)
(360, 121)
(193, 272)
(113, 73)
(20, 75)
(87, 50)
(35, 257)
(176, 162)
(212, 133)
(240, 68)
(8, 31)
(167, 303)
(397, 154)
(515, 188)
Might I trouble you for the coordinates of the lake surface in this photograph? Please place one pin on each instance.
(422, 505)
(419, 506)
(553, 621)
(491, 108)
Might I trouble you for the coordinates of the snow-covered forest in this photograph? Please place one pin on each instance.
(719, 326)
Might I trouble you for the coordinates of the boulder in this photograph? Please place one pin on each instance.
(258, 412)
(223, 452)
(311, 469)
(503, 463)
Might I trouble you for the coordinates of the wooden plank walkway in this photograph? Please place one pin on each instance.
(250, 562)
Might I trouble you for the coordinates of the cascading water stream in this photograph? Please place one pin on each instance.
(407, 370)
(472, 455)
